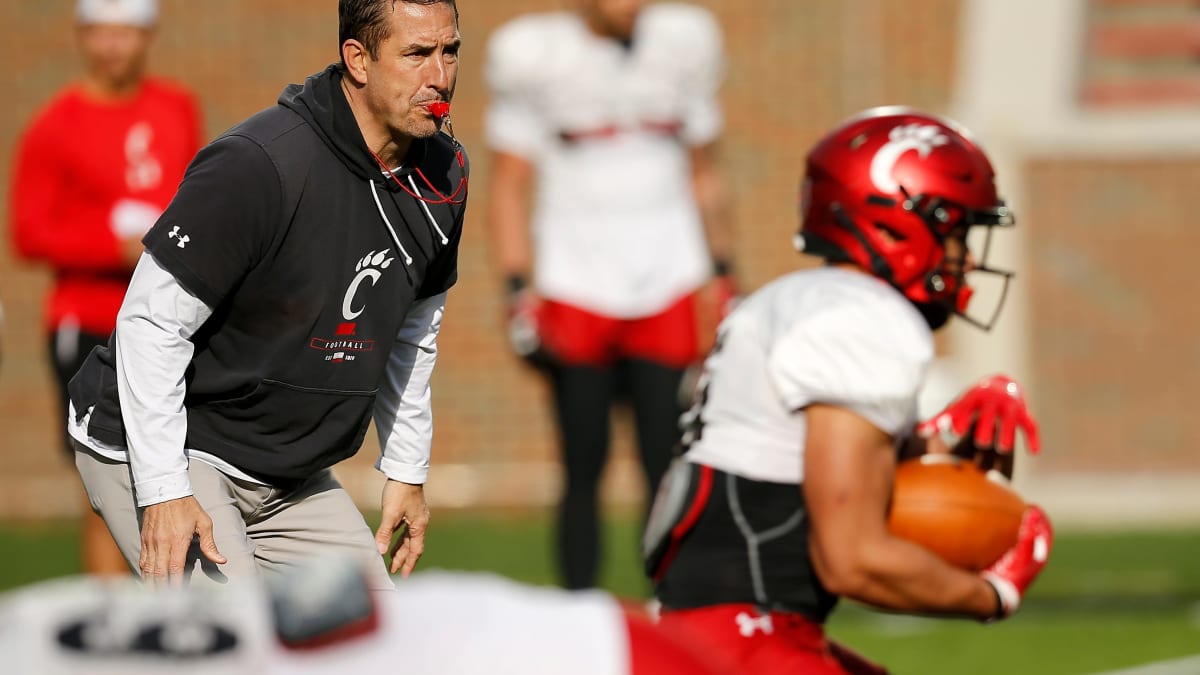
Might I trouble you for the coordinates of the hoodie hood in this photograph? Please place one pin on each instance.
(322, 104)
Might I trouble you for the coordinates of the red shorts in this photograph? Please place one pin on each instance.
(655, 651)
(578, 337)
(766, 644)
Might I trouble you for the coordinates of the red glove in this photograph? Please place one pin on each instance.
(995, 400)
(1015, 571)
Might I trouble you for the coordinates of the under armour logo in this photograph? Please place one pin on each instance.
(749, 625)
(183, 238)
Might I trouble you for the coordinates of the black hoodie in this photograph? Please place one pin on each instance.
(310, 256)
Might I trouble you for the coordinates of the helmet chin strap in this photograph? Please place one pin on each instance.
(936, 314)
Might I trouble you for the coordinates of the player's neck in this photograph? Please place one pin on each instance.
(602, 29)
(849, 267)
(109, 89)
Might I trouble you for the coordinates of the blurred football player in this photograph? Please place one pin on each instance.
(778, 506)
(610, 112)
(321, 618)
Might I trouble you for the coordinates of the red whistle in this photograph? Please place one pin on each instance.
(438, 109)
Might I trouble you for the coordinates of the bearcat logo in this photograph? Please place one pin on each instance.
(920, 137)
(368, 270)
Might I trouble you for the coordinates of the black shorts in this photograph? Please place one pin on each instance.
(68, 350)
(749, 545)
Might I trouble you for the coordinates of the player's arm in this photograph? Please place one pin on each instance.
(152, 351)
(508, 213)
(712, 198)
(508, 224)
(404, 420)
(39, 189)
(701, 71)
(517, 133)
(848, 469)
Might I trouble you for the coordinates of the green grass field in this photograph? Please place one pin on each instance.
(1106, 601)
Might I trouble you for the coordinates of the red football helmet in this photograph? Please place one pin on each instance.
(886, 189)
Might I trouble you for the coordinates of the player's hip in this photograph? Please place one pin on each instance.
(723, 539)
(763, 642)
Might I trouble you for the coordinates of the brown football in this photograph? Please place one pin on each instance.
(954, 509)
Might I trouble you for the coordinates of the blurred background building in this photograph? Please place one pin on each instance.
(1090, 108)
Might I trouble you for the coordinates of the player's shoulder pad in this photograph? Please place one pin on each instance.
(517, 50)
(872, 316)
(852, 339)
(691, 28)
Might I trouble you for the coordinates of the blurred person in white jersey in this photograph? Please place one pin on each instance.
(322, 618)
(608, 218)
(778, 506)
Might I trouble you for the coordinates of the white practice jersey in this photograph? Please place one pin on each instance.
(435, 622)
(827, 335)
(608, 128)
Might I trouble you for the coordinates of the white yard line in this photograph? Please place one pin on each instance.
(1186, 666)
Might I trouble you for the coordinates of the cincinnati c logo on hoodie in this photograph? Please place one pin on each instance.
(341, 348)
(369, 268)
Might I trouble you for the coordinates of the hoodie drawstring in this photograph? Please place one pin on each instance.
(375, 193)
(428, 213)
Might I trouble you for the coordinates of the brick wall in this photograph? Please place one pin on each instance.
(1116, 359)
(795, 68)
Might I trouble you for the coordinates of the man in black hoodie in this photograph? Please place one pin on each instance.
(292, 291)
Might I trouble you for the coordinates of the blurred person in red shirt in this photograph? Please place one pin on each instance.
(94, 169)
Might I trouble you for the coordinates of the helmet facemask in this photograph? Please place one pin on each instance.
(966, 249)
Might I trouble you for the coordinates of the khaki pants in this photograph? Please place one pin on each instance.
(260, 530)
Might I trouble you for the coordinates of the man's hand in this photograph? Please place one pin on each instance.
(524, 333)
(995, 401)
(1015, 571)
(167, 531)
(402, 504)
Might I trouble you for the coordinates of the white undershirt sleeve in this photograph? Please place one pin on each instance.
(403, 407)
(153, 351)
